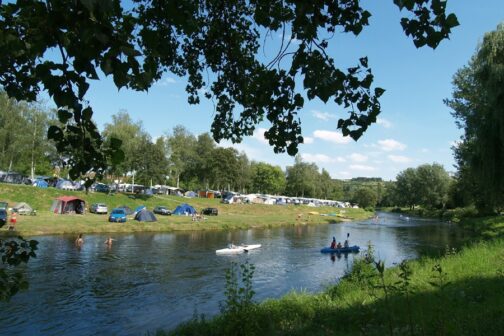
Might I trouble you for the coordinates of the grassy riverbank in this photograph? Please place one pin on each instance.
(459, 294)
(231, 216)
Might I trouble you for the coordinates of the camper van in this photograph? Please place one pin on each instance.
(228, 198)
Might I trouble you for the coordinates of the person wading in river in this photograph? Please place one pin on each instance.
(79, 241)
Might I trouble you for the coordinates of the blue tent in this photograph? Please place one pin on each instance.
(40, 183)
(145, 215)
(138, 209)
(184, 209)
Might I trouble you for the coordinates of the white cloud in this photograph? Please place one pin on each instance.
(321, 158)
(166, 81)
(356, 157)
(384, 122)
(308, 140)
(331, 136)
(259, 135)
(323, 115)
(400, 159)
(390, 145)
(361, 167)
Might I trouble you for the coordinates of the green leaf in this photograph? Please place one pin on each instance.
(378, 92)
(117, 156)
(364, 61)
(115, 143)
(55, 133)
(452, 21)
(87, 113)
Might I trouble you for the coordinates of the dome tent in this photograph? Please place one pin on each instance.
(40, 183)
(68, 204)
(190, 194)
(23, 209)
(184, 209)
(66, 185)
(138, 209)
(145, 215)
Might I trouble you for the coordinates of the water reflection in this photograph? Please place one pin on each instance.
(148, 281)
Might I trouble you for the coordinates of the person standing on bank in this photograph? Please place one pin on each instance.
(13, 221)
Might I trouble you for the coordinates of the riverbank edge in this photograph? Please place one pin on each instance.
(170, 228)
(461, 293)
(51, 224)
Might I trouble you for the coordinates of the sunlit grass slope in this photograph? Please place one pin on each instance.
(231, 216)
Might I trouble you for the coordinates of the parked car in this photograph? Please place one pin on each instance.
(98, 208)
(118, 215)
(210, 212)
(126, 209)
(103, 188)
(3, 217)
(162, 210)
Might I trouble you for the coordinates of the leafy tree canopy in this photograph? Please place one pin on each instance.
(60, 46)
(478, 106)
(427, 185)
(366, 197)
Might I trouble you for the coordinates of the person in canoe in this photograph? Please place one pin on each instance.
(339, 245)
(347, 243)
(333, 243)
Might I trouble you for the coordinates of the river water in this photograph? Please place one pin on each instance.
(149, 281)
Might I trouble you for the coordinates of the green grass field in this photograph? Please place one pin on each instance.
(231, 216)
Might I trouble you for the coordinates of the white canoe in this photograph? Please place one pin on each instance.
(238, 249)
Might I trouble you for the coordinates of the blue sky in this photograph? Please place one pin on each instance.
(415, 127)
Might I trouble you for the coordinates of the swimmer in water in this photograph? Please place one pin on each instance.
(79, 241)
(109, 241)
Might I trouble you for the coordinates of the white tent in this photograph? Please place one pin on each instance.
(23, 208)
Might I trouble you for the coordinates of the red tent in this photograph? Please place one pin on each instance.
(68, 204)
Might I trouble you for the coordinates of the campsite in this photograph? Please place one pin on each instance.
(49, 202)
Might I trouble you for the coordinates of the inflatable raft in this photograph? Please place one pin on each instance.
(349, 249)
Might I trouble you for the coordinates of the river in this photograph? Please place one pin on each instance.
(147, 281)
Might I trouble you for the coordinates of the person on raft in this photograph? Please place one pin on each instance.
(333, 243)
(347, 243)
